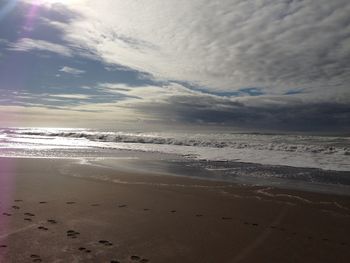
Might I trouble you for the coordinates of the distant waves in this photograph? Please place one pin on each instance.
(288, 143)
(324, 152)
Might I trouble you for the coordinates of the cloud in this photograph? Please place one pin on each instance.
(38, 115)
(174, 105)
(179, 105)
(264, 64)
(28, 44)
(70, 96)
(225, 45)
(73, 71)
(3, 41)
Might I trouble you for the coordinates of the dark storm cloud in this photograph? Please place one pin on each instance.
(277, 114)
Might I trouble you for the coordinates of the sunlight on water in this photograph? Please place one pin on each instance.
(331, 153)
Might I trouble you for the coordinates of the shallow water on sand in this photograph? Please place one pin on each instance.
(314, 163)
(305, 179)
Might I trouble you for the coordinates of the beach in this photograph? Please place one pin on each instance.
(174, 131)
(59, 210)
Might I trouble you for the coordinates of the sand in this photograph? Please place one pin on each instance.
(59, 211)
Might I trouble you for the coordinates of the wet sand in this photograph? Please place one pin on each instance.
(60, 211)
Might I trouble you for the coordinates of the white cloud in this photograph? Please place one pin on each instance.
(70, 96)
(225, 45)
(3, 41)
(28, 44)
(73, 71)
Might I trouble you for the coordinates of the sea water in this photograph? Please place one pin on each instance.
(272, 159)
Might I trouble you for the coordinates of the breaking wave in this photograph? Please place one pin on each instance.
(285, 143)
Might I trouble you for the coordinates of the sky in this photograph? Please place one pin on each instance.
(260, 65)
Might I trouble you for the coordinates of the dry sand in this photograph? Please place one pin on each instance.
(55, 211)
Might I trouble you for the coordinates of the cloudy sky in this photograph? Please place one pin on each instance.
(246, 64)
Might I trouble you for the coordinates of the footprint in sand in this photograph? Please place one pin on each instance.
(43, 202)
(15, 207)
(105, 242)
(28, 219)
(29, 214)
(95, 205)
(18, 200)
(3, 246)
(199, 215)
(43, 228)
(146, 209)
(72, 234)
(226, 218)
(35, 258)
(7, 214)
(251, 224)
(138, 259)
(52, 221)
(173, 211)
(121, 206)
(83, 249)
(115, 261)
(70, 203)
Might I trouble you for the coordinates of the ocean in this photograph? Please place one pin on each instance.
(316, 163)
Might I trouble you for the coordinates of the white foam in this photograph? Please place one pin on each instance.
(331, 153)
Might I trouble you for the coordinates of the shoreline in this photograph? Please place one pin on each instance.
(161, 218)
(176, 169)
(303, 179)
